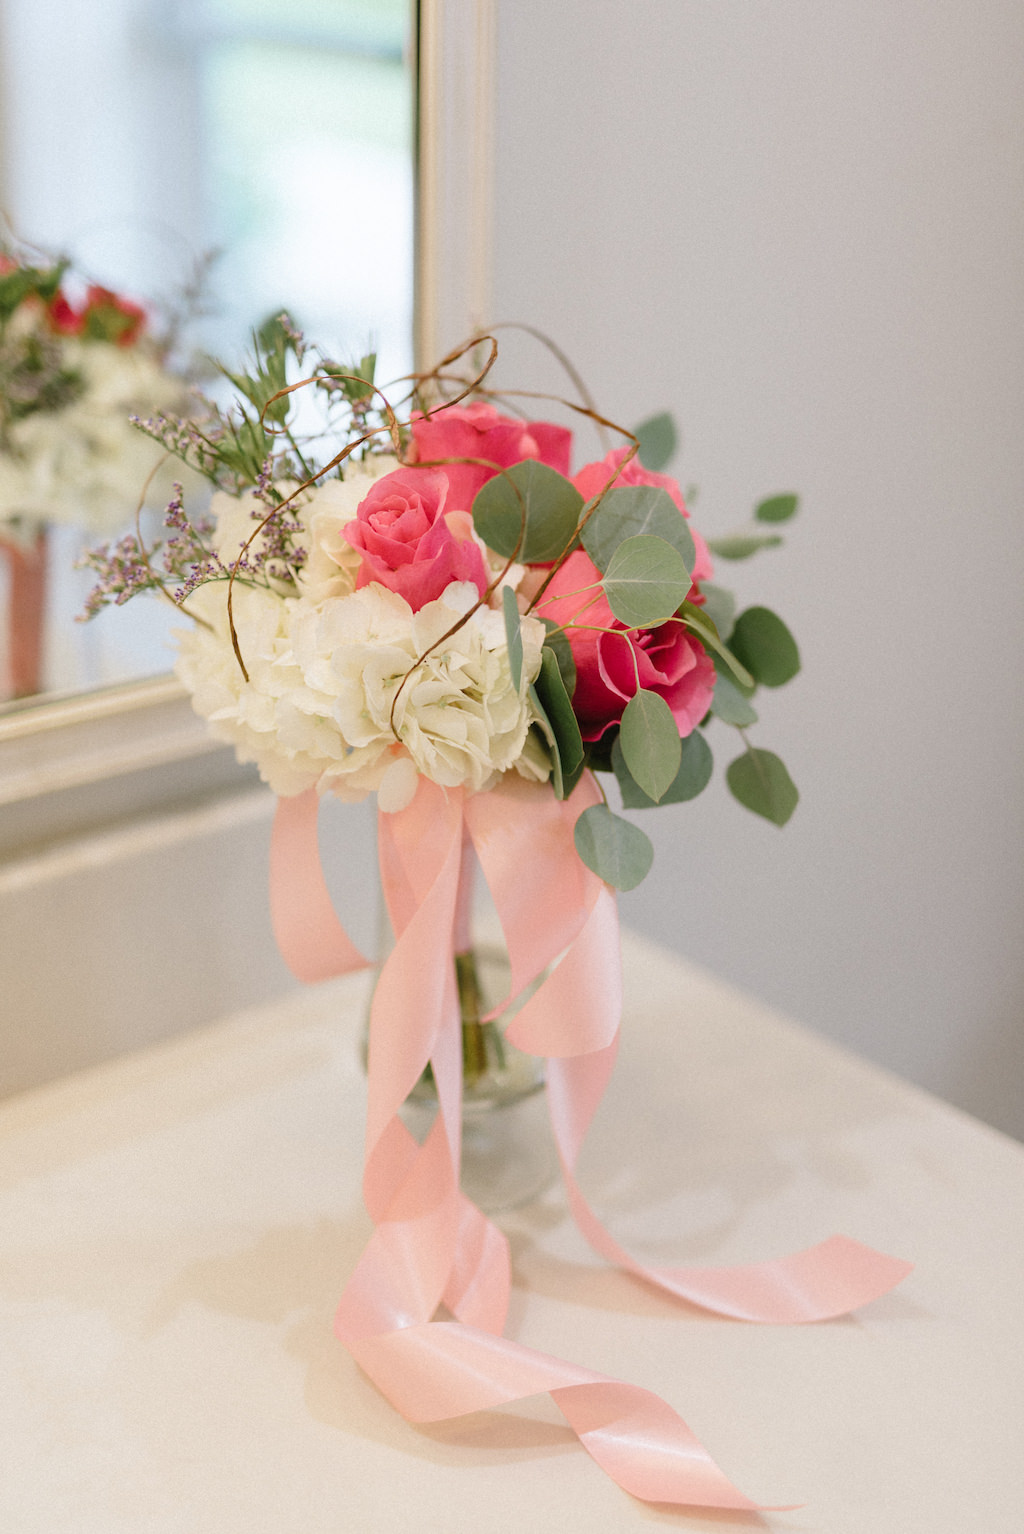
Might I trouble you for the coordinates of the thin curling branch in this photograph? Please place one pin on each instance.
(160, 586)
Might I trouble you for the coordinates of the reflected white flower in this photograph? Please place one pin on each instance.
(86, 463)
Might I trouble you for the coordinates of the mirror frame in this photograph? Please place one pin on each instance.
(71, 764)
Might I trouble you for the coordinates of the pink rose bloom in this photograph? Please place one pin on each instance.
(479, 431)
(591, 480)
(406, 541)
(669, 660)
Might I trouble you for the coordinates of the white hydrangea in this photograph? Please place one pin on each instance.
(332, 564)
(252, 716)
(324, 676)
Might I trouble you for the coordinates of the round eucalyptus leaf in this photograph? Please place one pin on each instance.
(619, 853)
(777, 508)
(650, 744)
(763, 644)
(657, 438)
(742, 545)
(626, 511)
(646, 581)
(759, 780)
(720, 606)
(729, 703)
(692, 778)
(529, 511)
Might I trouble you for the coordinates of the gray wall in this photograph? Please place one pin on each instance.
(799, 227)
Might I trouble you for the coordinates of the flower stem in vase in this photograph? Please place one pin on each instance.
(482, 1043)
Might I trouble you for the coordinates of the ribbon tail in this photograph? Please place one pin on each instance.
(311, 939)
(828, 1280)
(446, 1369)
(573, 1019)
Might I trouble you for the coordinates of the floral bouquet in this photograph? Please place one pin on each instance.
(72, 371)
(436, 597)
(417, 598)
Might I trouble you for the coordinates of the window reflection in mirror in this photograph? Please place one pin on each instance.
(278, 133)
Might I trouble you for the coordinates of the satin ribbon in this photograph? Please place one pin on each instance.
(431, 1245)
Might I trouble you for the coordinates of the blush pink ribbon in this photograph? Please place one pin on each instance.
(431, 1245)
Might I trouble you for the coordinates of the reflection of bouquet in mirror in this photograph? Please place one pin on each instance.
(76, 362)
(73, 370)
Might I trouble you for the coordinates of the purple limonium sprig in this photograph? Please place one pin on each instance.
(123, 571)
(183, 438)
(275, 556)
(187, 548)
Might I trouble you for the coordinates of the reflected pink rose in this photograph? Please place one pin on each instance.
(668, 659)
(406, 540)
(591, 480)
(481, 432)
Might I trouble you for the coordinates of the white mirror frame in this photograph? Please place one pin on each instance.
(68, 765)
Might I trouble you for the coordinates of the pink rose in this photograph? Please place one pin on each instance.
(591, 480)
(480, 432)
(407, 542)
(668, 659)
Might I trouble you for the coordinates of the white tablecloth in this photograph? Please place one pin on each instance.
(176, 1228)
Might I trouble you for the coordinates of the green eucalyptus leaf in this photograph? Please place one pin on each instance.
(691, 779)
(618, 852)
(629, 510)
(557, 641)
(777, 508)
(646, 581)
(763, 643)
(759, 780)
(599, 752)
(720, 606)
(729, 704)
(542, 723)
(742, 545)
(552, 700)
(658, 440)
(650, 744)
(513, 635)
(698, 622)
(529, 511)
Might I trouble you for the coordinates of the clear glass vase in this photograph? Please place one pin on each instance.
(508, 1155)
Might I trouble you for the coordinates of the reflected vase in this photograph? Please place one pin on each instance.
(24, 553)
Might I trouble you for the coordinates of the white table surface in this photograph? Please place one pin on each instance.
(176, 1228)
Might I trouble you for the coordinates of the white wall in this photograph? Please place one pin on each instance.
(799, 226)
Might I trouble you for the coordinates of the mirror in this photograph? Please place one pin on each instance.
(279, 134)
